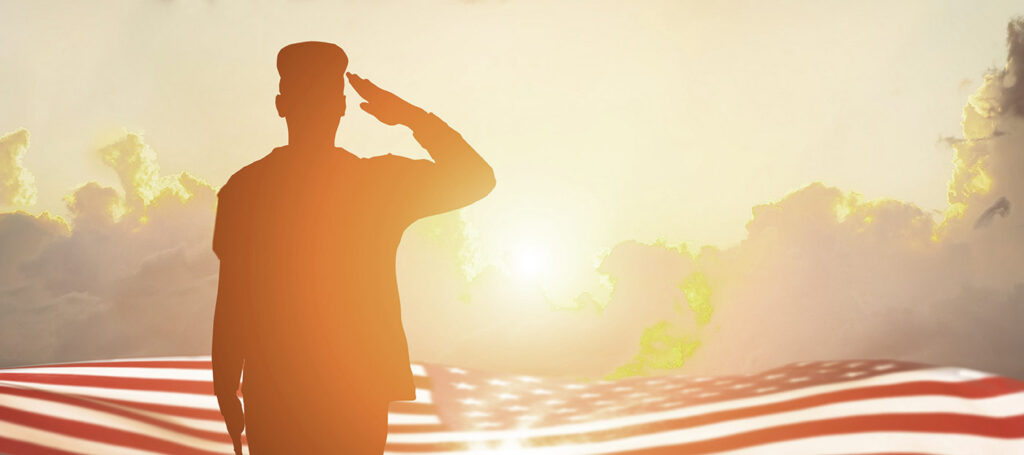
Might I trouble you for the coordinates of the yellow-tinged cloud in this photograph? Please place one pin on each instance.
(130, 274)
(822, 274)
(17, 184)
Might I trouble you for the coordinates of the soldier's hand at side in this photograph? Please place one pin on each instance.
(234, 418)
(382, 104)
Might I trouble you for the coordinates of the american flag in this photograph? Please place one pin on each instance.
(166, 405)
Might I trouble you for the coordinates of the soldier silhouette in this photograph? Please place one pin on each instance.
(307, 301)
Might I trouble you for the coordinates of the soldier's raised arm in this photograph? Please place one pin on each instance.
(458, 175)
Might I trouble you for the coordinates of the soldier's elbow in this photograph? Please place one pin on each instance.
(487, 181)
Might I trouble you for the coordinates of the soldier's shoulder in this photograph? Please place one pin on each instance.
(245, 176)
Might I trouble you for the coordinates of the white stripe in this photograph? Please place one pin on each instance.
(63, 442)
(183, 374)
(197, 359)
(65, 411)
(189, 400)
(948, 444)
(936, 374)
(396, 419)
(417, 368)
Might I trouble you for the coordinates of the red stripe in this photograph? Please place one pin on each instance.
(98, 433)
(12, 447)
(180, 411)
(180, 364)
(99, 406)
(113, 382)
(981, 388)
(131, 383)
(938, 423)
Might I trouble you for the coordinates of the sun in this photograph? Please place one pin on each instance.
(531, 261)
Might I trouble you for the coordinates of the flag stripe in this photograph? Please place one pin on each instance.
(889, 443)
(997, 408)
(14, 446)
(997, 427)
(689, 411)
(984, 388)
(166, 405)
(131, 383)
(102, 434)
(69, 400)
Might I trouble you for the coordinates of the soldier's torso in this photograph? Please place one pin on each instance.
(324, 231)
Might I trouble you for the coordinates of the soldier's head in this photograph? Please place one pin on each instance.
(312, 88)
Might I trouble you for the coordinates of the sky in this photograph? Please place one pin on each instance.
(624, 137)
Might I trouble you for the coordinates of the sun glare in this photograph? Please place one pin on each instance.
(531, 262)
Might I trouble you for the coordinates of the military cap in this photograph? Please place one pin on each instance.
(304, 62)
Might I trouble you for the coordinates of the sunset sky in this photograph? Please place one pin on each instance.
(652, 124)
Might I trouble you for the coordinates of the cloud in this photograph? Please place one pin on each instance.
(129, 273)
(822, 274)
(1001, 208)
(17, 184)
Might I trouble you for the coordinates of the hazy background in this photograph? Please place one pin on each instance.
(681, 186)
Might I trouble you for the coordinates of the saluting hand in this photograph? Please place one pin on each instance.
(382, 104)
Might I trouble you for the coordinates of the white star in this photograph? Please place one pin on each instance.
(527, 418)
(652, 399)
(464, 386)
(854, 374)
(622, 388)
(541, 392)
(740, 386)
(528, 379)
(564, 411)
(800, 379)
(707, 394)
(498, 382)
(455, 370)
(590, 395)
(774, 376)
(471, 402)
(575, 386)
(516, 408)
(487, 425)
(885, 366)
(554, 402)
(766, 389)
(507, 396)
